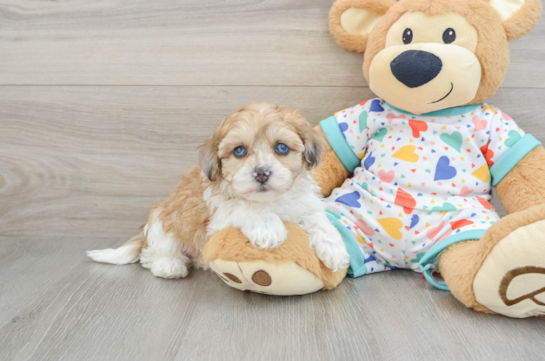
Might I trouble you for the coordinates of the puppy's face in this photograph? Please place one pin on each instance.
(260, 150)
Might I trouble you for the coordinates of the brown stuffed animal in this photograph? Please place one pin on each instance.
(407, 175)
(416, 165)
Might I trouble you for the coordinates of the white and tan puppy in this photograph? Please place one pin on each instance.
(256, 174)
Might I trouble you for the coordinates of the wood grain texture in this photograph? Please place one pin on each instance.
(194, 42)
(89, 161)
(58, 305)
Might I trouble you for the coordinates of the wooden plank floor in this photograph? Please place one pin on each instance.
(102, 107)
(57, 305)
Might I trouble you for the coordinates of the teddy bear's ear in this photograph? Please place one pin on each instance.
(519, 16)
(351, 21)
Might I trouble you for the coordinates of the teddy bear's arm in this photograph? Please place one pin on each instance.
(331, 173)
(524, 186)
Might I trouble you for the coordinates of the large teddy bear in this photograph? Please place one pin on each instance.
(407, 176)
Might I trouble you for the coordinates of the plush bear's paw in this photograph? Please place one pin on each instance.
(266, 232)
(291, 269)
(511, 280)
(282, 279)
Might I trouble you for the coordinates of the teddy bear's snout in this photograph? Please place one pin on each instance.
(415, 68)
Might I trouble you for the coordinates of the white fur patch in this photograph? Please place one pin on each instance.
(163, 255)
(123, 255)
(265, 230)
(262, 223)
(169, 268)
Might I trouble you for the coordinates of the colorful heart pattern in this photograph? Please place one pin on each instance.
(390, 117)
(423, 178)
(479, 124)
(514, 137)
(376, 106)
(368, 231)
(380, 134)
(444, 170)
(454, 140)
(392, 226)
(433, 232)
(407, 154)
(362, 121)
(418, 126)
(369, 161)
(350, 199)
(405, 200)
(386, 176)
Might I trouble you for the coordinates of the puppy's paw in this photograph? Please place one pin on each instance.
(166, 267)
(333, 256)
(330, 249)
(266, 232)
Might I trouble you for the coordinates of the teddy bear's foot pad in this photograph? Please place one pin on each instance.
(511, 280)
(283, 279)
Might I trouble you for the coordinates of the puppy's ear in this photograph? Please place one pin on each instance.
(351, 21)
(519, 16)
(313, 140)
(315, 144)
(208, 158)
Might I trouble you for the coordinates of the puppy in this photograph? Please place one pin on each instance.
(256, 174)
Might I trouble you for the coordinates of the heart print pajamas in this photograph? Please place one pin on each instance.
(420, 182)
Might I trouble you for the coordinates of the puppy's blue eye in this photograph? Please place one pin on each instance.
(281, 149)
(240, 151)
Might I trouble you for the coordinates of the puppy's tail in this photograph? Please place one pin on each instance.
(127, 253)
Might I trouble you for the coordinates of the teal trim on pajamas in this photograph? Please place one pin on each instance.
(510, 158)
(427, 262)
(357, 266)
(449, 112)
(337, 141)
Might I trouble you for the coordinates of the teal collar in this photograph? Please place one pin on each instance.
(449, 112)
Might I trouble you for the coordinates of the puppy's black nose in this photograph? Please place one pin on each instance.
(416, 67)
(262, 174)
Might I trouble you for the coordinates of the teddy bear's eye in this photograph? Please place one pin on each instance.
(407, 36)
(449, 36)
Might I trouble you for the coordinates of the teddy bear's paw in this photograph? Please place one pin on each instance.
(511, 280)
(282, 279)
(166, 267)
(265, 233)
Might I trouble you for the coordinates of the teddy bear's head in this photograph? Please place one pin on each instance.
(427, 55)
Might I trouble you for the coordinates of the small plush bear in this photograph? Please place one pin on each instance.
(408, 175)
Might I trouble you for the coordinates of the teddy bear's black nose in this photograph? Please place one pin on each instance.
(416, 67)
